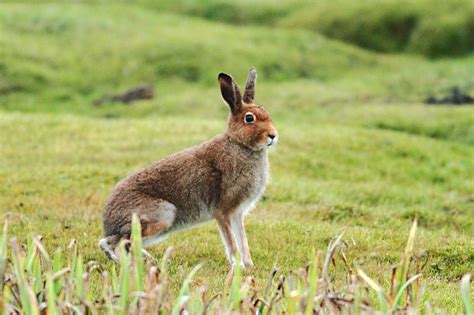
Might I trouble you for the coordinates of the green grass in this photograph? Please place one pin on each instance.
(37, 282)
(57, 171)
(358, 152)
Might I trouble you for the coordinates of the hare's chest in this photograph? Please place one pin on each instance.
(254, 190)
(249, 204)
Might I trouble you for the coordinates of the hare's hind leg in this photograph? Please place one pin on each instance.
(156, 222)
(156, 217)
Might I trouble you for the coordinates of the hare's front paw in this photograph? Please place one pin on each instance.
(247, 263)
(243, 264)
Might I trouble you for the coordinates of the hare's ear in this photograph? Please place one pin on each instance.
(249, 94)
(230, 92)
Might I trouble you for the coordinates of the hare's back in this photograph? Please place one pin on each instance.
(186, 179)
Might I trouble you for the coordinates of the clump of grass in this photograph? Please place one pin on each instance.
(433, 30)
(450, 34)
(32, 283)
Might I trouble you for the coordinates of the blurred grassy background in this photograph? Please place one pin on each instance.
(344, 81)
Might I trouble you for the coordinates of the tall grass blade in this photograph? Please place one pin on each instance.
(31, 255)
(466, 294)
(378, 289)
(267, 293)
(292, 302)
(180, 304)
(313, 283)
(3, 260)
(42, 250)
(37, 274)
(138, 264)
(57, 260)
(404, 267)
(234, 294)
(57, 267)
(78, 277)
(107, 293)
(40, 259)
(185, 287)
(115, 279)
(125, 262)
(72, 256)
(184, 292)
(402, 289)
(331, 249)
(51, 295)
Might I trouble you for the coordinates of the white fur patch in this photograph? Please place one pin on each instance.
(249, 204)
(202, 219)
(154, 239)
(106, 248)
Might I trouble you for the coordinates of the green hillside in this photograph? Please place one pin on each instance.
(61, 57)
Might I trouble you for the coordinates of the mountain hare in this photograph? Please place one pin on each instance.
(222, 178)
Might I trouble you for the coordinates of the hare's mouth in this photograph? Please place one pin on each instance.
(271, 141)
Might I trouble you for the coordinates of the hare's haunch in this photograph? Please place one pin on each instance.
(222, 178)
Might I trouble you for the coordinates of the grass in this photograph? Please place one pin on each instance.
(34, 283)
(367, 182)
(359, 152)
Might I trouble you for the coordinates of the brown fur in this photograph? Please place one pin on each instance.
(221, 178)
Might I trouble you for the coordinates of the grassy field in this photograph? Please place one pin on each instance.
(358, 153)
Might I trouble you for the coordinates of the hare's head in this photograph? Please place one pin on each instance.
(249, 124)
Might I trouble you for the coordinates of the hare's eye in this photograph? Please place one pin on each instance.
(249, 118)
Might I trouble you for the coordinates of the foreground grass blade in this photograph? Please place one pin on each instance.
(234, 295)
(403, 269)
(313, 283)
(292, 302)
(466, 294)
(3, 259)
(331, 249)
(125, 261)
(138, 264)
(51, 296)
(57, 267)
(79, 280)
(378, 289)
(402, 290)
(184, 292)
